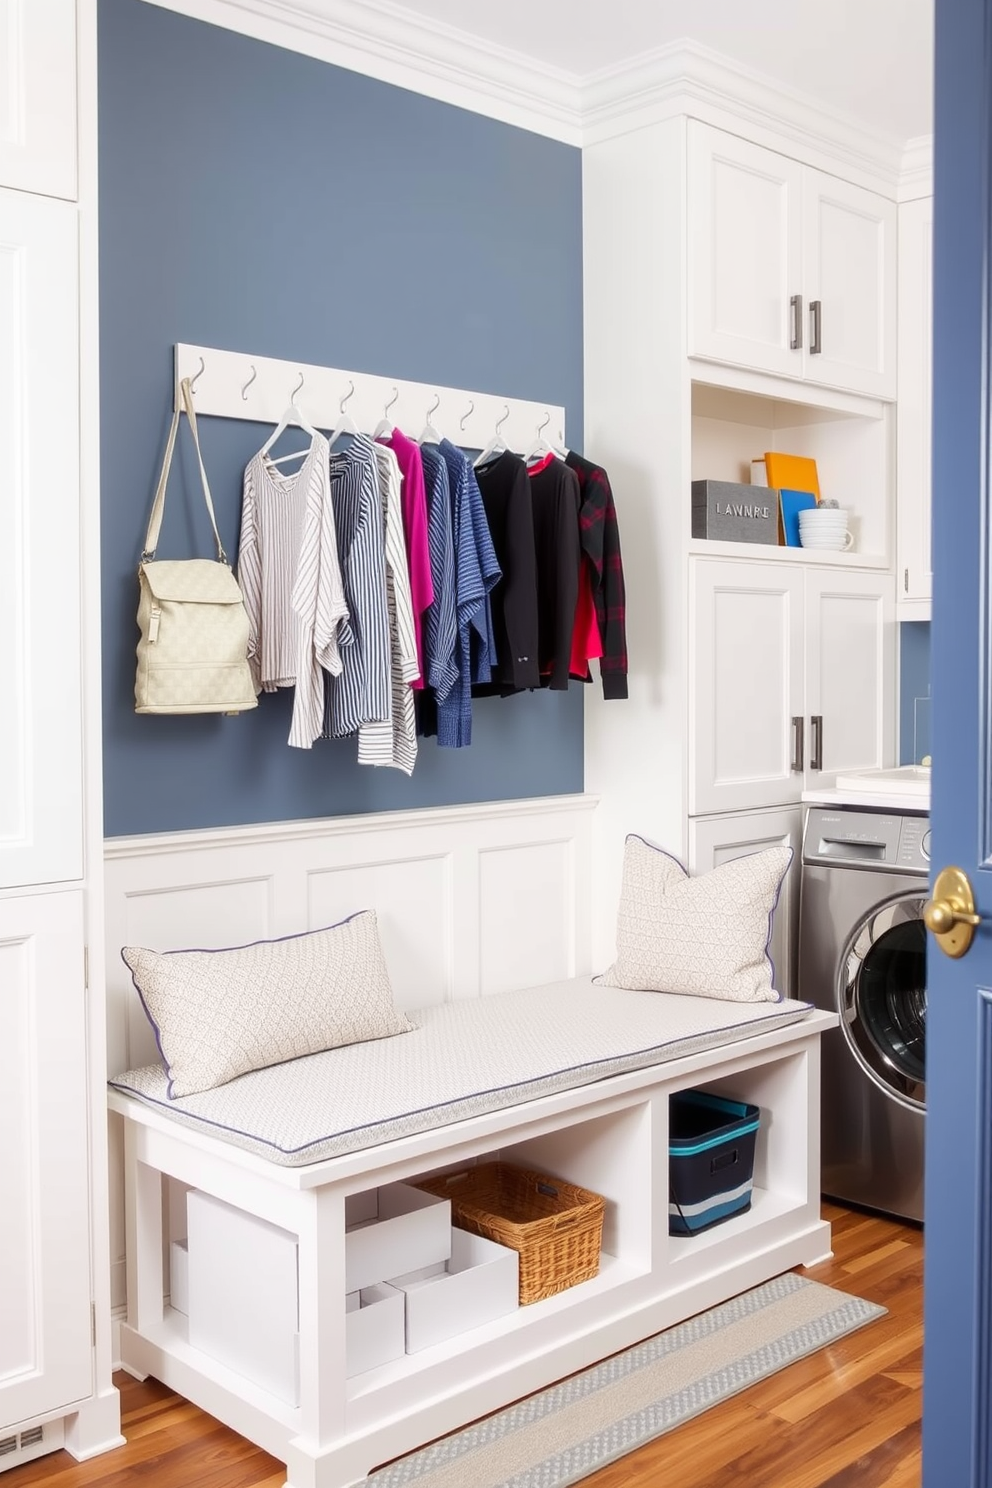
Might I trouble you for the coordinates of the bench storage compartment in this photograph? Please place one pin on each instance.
(556, 1228)
(711, 1159)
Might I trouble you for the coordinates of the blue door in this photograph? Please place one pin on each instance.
(957, 1359)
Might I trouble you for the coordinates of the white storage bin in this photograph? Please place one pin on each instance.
(243, 1294)
(410, 1229)
(374, 1331)
(361, 1207)
(478, 1283)
(179, 1275)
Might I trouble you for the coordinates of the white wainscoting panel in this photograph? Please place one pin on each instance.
(414, 926)
(526, 915)
(470, 900)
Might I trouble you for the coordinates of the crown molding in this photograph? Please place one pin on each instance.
(382, 40)
(689, 77)
(916, 176)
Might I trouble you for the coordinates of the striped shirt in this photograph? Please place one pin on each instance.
(283, 589)
(476, 572)
(395, 742)
(441, 630)
(361, 694)
(414, 503)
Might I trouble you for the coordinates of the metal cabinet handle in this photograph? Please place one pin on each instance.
(797, 744)
(796, 303)
(816, 741)
(816, 316)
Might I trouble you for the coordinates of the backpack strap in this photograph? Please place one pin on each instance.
(158, 505)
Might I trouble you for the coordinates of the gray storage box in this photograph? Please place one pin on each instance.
(733, 512)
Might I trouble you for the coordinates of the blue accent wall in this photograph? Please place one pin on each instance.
(914, 691)
(257, 200)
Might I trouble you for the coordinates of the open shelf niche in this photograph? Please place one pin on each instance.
(850, 440)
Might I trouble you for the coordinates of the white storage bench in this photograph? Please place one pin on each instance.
(597, 1118)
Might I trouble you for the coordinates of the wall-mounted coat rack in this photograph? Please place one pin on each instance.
(237, 385)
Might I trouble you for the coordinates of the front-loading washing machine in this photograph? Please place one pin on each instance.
(862, 954)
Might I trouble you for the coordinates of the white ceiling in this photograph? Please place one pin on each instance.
(870, 60)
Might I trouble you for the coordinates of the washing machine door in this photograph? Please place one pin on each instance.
(882, 996)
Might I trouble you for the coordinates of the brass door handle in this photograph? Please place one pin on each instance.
(950, 915)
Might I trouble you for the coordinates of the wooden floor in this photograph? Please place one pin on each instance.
(846, 1417)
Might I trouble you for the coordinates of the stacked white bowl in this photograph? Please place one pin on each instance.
(825, 527)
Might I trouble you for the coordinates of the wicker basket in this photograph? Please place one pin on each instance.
(555, 1227)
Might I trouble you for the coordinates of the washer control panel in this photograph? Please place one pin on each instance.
(850, 837)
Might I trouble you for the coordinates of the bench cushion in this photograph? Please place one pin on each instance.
(462, 1059)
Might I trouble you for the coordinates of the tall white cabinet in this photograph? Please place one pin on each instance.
(55, 1384)
(740, 296)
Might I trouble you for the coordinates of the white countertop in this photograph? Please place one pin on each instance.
(873, 800)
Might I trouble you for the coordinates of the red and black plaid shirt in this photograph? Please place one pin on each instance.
(600, 537)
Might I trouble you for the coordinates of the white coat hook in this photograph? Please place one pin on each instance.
(197, 375)
(297, 389)
(434, 407)
(349, 394)
(390, 402)
(502, 420)
(543, 424)
(247, 385)
(468, 415)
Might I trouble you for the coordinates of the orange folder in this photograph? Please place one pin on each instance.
(794, 472)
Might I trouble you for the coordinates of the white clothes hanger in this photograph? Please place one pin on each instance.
(542, 446)
(346, 424)
(292, 415)
(385, 425)
(496, 446)
(428, 434)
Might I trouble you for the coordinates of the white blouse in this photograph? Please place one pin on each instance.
(295, 602)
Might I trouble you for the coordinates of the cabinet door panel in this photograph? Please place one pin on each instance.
(40, 739)
(38, 96)
(718, 839)
(44, 1216)
(915, 398)
(744, 251)
(850, 671)
(849, 268)
(745, 684)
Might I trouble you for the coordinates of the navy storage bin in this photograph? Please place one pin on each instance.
(711, 1159)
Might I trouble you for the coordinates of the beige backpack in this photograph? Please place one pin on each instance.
(192, 651)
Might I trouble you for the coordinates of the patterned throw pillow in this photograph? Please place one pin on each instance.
(218, 1014)
(705, 936)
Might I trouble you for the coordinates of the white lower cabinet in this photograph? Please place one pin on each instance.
(718, 839)
(45, 1339)
(791, 679)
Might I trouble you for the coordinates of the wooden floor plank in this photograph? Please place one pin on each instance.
(847, 1416)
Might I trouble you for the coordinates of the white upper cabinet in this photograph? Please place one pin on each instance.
(38, 96)
(915, 398)
(849, 278)
(745, 258)
(41, 826)
(791, 271)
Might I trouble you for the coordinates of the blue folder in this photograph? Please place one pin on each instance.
(792, 503)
